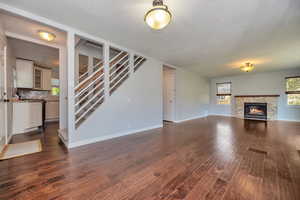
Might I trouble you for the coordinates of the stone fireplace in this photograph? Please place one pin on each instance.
(260, 107)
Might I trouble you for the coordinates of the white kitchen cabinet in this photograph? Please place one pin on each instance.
(46, 77)
(27, 116)
(42, 78)
(52, 110)
(24, 72)
(34, 77)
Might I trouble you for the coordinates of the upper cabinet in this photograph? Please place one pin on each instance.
(24, 70)
(31, 76)
(38, 78)
(47, 75)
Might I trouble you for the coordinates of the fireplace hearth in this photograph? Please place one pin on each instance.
(255, 111)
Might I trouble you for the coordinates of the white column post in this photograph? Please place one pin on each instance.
(106, 70)
(76, 67)
(71, 83)
(63, 86)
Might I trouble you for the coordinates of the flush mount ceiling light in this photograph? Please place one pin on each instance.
(159, 16)
(248, 67)
(46, 36)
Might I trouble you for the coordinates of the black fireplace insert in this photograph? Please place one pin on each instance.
(255, 111)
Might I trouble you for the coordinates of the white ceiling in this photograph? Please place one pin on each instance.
(213, 37)
(28, 28)
(40, 54)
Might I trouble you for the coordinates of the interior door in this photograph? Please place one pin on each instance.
(2, 97)
(169, 95)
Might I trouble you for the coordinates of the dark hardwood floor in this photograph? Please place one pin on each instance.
(209, 158)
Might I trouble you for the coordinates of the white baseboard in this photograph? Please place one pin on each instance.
(63, 137)
(52, 120)
(9, 139)
(191, 118)
(26, 131)
(229, 115)
(107, 137)
(223, 115)
(288, 120)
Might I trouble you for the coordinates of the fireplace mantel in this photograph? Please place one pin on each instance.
(259, 95)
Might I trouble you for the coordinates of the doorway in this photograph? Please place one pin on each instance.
(32, 89)
(2, 98)
(169, 93)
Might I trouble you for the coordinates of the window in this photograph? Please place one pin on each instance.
(55, 91)
(293, 90)
(55, 87)
(224, 93)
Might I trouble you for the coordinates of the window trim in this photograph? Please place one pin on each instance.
(292, 77)
(290, 92)
(224, 94)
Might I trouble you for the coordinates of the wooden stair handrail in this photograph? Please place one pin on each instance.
(95, 76)
(117, 59)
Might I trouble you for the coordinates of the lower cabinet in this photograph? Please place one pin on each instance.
(27, 116)
(52, 110)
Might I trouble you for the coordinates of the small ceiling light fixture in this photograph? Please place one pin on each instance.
(248, 67)
(159, 16)
(46, 35)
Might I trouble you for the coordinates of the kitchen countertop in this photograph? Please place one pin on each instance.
(29, 101)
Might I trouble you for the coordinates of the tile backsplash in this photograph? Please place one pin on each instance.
(32, 94)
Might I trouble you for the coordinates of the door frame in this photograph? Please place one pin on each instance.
(62, 75)
(3, 99)
(173, 69)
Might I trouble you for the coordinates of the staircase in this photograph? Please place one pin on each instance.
(118, 70)
(138, 61)
(90, 90)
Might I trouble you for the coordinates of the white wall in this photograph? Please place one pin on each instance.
(192, 95)
(255, 84)
(135, 105)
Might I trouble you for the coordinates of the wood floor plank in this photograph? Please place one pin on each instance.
(209, 158)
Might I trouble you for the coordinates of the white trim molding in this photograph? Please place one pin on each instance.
(62, 134)
(107, 137)
(288, 120)
(191, 118)
(223, 115)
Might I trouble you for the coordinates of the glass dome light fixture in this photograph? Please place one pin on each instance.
(248, 67)
(46, 35)
(159, 16)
